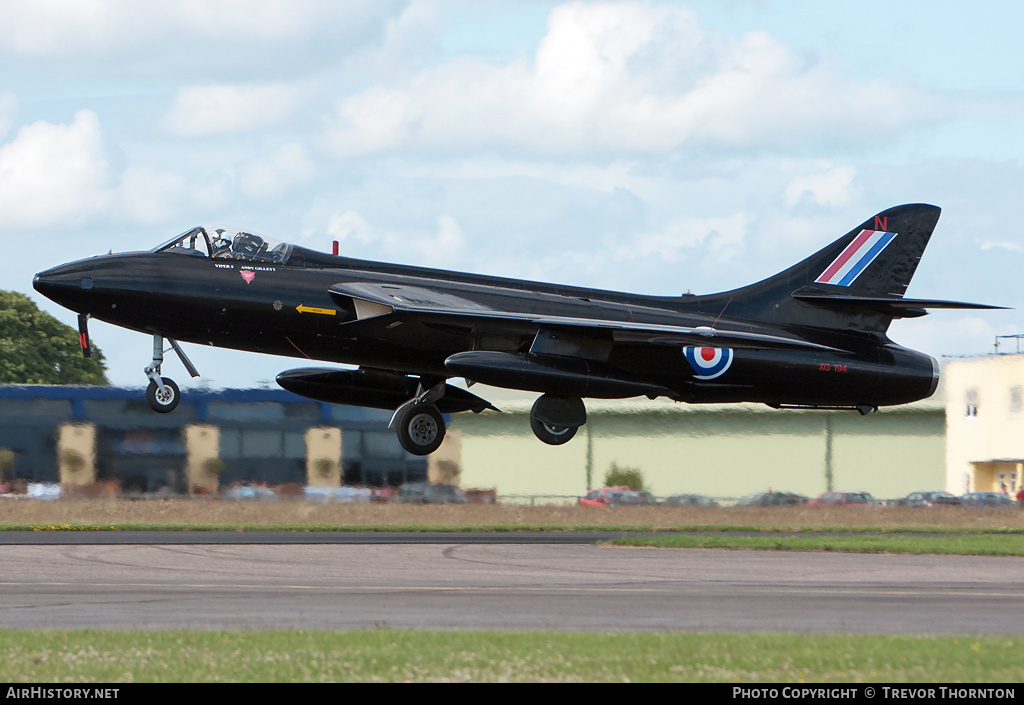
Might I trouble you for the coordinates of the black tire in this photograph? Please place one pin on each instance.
(552, 435)
(420, 429)
(167, 401)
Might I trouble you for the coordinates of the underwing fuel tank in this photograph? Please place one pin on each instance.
(371, 388)
(566, 376)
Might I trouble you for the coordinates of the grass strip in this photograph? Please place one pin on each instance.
(959, 541)
(489, 656)
(508, 528)
(959, 544)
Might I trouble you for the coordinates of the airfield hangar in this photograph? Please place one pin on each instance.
(968, 437)
(88, 435)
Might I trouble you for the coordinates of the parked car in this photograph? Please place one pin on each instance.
(988, 500)
(430, 493)
(248, 493)
(835, 498)
(772, 499)
(690, 500)
(928, 499)
(612, 496)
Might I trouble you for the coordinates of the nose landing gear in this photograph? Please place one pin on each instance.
(162, 394)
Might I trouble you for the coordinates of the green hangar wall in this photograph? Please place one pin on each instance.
(718, 450)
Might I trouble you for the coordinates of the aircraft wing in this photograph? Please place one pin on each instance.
(379, 304)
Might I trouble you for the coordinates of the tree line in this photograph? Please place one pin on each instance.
(36, 348)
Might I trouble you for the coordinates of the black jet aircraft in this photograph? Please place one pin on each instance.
(812, 336)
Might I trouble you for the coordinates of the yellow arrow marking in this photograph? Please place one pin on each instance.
(301, 308)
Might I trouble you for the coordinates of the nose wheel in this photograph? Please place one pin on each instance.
(163, 397)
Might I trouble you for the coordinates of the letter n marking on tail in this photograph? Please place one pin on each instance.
(882, 223)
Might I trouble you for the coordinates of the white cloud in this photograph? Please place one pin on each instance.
(373, 121)
(831, 185)
(151, 195)
(212, 110)
(270, 177)
(60, 174)
(8, 108)
(349, 226)
(148, 195)
(441, 247)
(720, 239)
(412, 34)
(1003, 245)
(54, 173)
(628, 77)
(75, 27)
(447, 245)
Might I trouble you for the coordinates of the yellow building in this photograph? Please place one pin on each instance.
(985, 423)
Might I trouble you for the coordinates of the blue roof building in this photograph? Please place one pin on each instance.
(261, 436)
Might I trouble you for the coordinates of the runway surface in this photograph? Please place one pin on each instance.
(451, 584)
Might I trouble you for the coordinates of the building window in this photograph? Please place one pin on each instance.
(972, 403)
(1016, 396)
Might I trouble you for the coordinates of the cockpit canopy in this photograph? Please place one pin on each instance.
(226, 243)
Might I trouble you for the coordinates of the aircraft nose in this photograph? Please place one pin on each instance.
(64, 285)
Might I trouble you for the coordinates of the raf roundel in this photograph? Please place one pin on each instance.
(708, 363)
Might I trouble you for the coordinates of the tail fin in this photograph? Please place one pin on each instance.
(856, 283)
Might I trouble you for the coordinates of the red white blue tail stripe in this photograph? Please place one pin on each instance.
(856, 258)
(708, 363)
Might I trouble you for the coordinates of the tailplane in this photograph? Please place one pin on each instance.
(856, 283)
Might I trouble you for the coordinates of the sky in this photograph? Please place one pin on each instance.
(652, 147)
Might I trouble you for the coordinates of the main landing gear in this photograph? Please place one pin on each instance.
(421, 429)
(419, 424)
(163, 395)
(556, 419)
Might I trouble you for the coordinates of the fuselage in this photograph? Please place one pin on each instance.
(286, 308)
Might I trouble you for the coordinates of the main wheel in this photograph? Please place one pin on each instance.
(552, 435)
(420, 429)
(163, 399)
